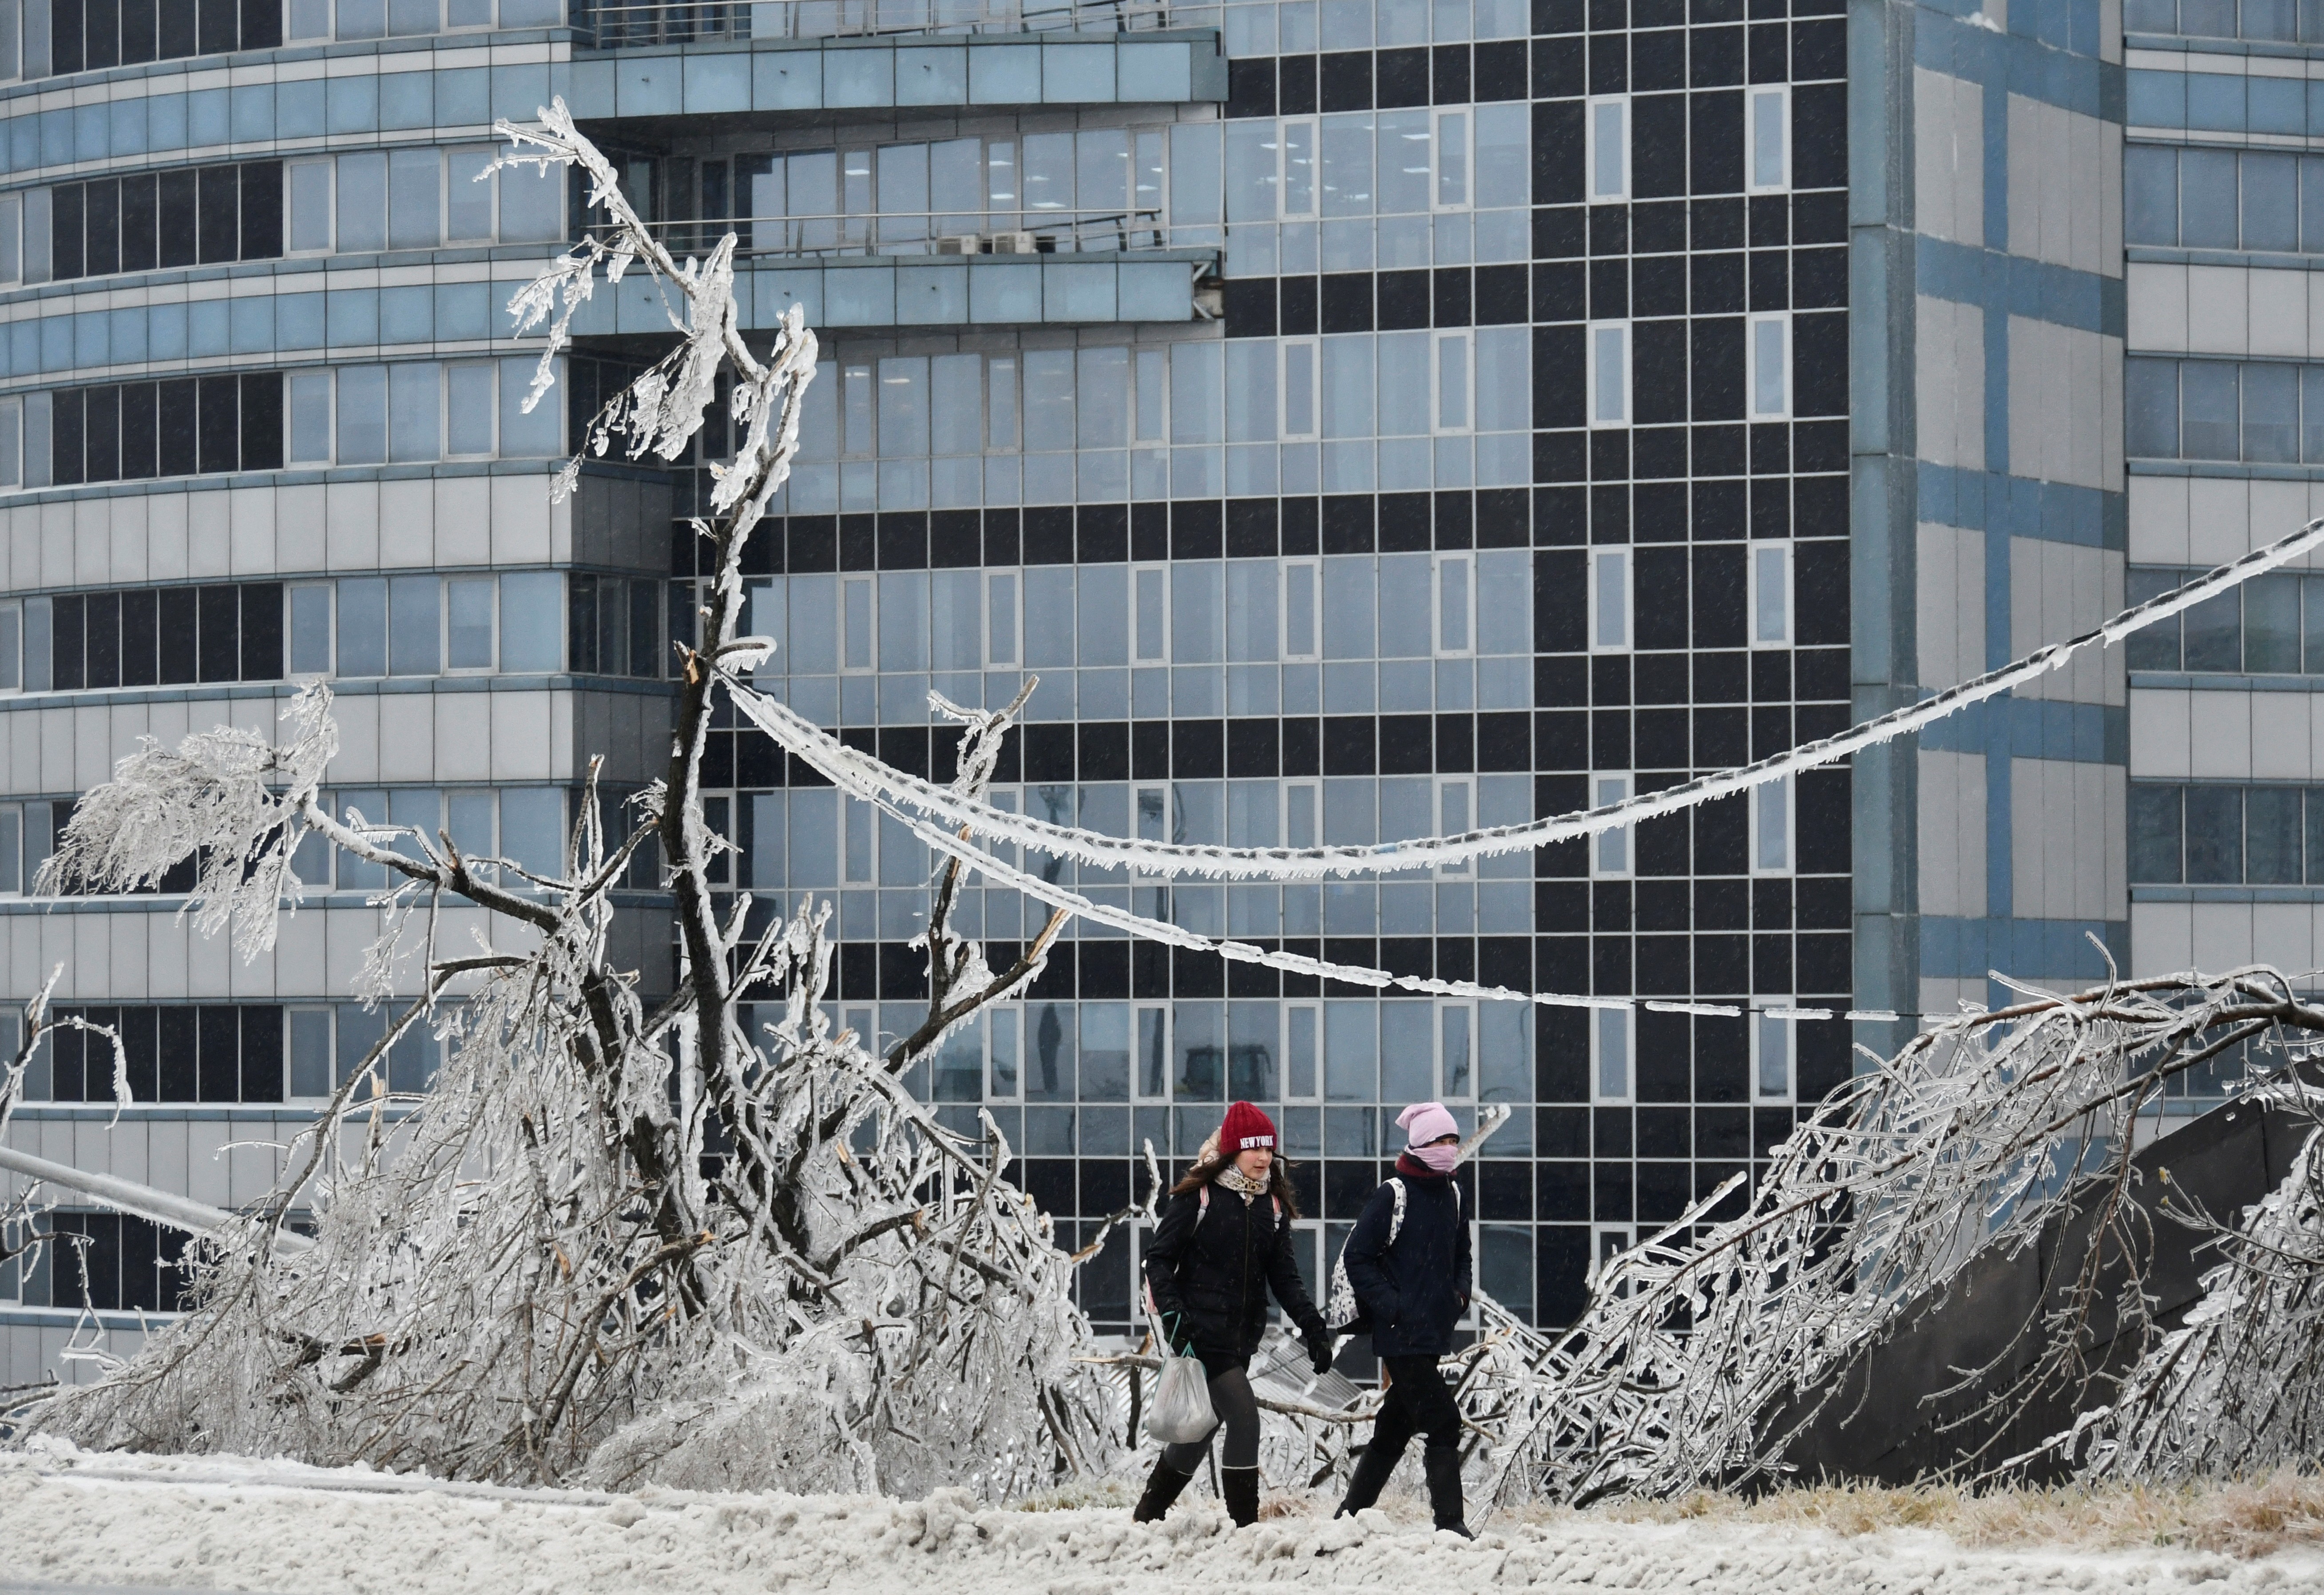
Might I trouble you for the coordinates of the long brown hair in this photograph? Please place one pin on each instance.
(1214, 1157)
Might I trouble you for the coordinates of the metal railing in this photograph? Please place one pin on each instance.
(923, 232)
(661, 22)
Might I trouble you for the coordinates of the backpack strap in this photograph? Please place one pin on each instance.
(1395, 1222)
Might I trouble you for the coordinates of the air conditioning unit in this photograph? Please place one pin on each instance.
(959, 243)
(1013, 243)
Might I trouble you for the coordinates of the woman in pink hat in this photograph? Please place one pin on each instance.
(1223, 1243)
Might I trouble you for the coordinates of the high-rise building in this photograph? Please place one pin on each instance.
(1368, 417)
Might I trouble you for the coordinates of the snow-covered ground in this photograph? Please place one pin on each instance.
(204, 1524)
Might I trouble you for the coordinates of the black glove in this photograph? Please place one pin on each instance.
(1319, 1348)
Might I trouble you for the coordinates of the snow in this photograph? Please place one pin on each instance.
(76, 1517)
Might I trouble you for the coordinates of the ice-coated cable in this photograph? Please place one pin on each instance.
(869, 779)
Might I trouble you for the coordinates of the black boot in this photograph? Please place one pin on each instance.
(1240, 1488)
(1444, 1464)
(1371, 1478)
(1161, 1489)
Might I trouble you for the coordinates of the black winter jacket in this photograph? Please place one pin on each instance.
(1414, 1291)
(1210, 1273)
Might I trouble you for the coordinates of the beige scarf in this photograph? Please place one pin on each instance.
(1242, 1183)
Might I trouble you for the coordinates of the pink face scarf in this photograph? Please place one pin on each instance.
(1426, 1122)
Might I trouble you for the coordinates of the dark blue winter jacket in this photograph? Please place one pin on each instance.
(1414, 1291)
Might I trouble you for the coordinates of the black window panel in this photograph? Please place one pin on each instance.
(66, 21)
(261, 1055)
(138, 36)
(141, 1274)
(175, 209)
(216, 22)
(221, 643)
(218, 211)
(174, 428)
(67, 207)
(139, 229)
(68, 1045)
(104, 625)
(219, 1054)
(102, 35)
(68, 629)
(221, 424)
(261, 422)
(101, 434)
(262, 211)
(103, 228)
(65, 438)
(581, 622)
(138, 438)
(645, 650)
(179, 630)
(177, 1051)
(262, 25)
(262, 631)
(140, 1041)
(139, 637)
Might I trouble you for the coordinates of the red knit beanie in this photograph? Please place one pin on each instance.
(1245, 1127)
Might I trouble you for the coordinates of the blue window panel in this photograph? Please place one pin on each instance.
(299, 321)
(2278, 105)
(2315, 108)
(932, 77)
(25, 348)
(2215, 102)
(464, 97)
(931, 295)
(127, 335)
(407, 100)
(855, 77)
(1156, 291)
(1154, 74)
(407, 314)
(1072, 73)
(2158, 99)
(56, 343)
(208, 119)
(783, 81)
(91, 344)
(208, 330)
(591, 91)
(165, 123)
(649, 86)
(165, 332)
(463, 311)
(253, 111)
(859, 295)
(251, 327)
(638, 304)
(1077, 293)
(299, 108)
(351, 104)
(56, 137)
(596, 318)
(24, 143)
(778, 291)
(353, 317)
(1004, 293)
(129, 127)
(718, 83)
(1004, 75)
(92, 129)
(519, 92)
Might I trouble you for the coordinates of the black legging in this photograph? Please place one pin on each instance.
(1237, 1410)
(1418, 1401)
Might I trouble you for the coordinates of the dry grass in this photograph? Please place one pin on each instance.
(2235, 1517)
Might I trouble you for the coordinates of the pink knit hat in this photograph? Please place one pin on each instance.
(1425, 1121)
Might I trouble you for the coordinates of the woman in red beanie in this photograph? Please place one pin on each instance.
(1224, 1242)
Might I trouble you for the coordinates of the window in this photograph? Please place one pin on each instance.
(189, 216)
(1768, 353)
(2268, 412)
(1609, 373)
(1607, 1243)
(1455, 370)
(1299, 814)
(856, 643)
(1612, 1044)
(1303, 1030)
(1456, 600)
(2213, 834)
(172, 1053)
(1608, 153)
(153, 637)
(1297, 389)
(1150, 615)
(184, 427)
(1149, 1068)
(1299, 151)
(1456, 812)
(1770, 828)
(12, 647)
(1609, 850)
(1610, 600)
(1451, 145)
(1456, 1051)
(1767, 139)
(1771, 1054)
(1301, 579)
(1771, 595)
(1001, 619)
(2273, 20)
(96, 38)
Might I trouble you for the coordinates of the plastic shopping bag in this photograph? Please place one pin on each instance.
(1182, 1412)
